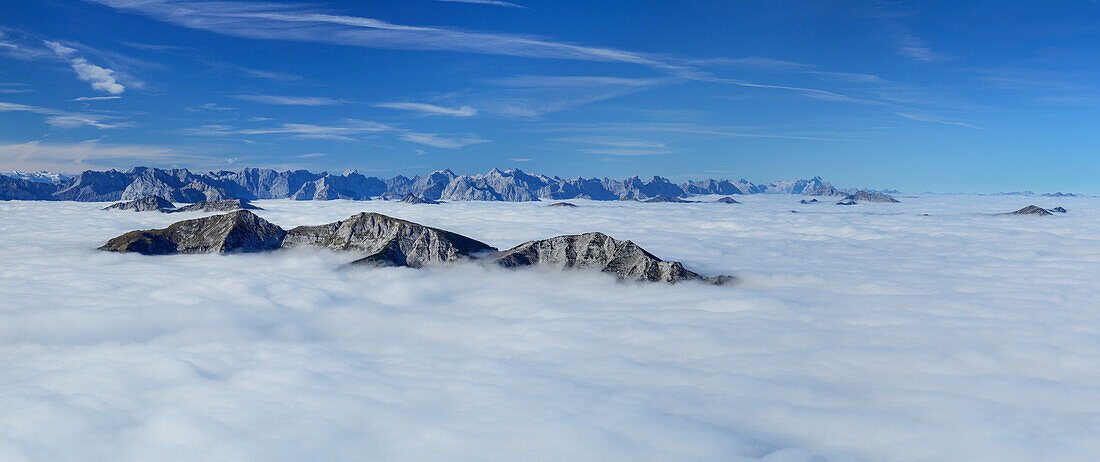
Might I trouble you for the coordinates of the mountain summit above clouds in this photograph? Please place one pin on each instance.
(182, 185)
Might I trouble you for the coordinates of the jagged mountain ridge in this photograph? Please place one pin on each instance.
(182, 185)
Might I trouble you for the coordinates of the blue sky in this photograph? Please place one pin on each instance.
(944, 96)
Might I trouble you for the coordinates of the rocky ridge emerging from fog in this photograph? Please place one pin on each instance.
(218, 206)
(182, 185)
(388, 241)
(1036, 210)
(240, 231)
(598, 251)
(160, 204)
(868, 196)
(145, 204)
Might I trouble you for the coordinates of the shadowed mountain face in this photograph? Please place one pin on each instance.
(145, 204)
(727, 200)
(240, 231)
(388, 241)
(182, 185)
(598, 251)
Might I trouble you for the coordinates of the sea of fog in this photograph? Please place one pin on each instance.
(864, 333)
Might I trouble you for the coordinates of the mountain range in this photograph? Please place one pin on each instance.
(182, 185)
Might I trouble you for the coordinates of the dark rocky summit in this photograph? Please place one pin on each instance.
(1058, 210)
(218, 206)
(674, 199)
(388, 241)
(145, 204)
(412, 199)
(811, 201)
(868, 196)
(1030, 210)
(846, 202)
(727, 200)
(240, 231)
(562, 204)
(598, 251)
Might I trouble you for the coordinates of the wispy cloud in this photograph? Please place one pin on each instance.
(344, 131)
(438, 141)
(532, 96)
(95, 98)
(63, 119)
(71, 157)
(431, 109)
(12, 88)
(753, 62)
(304, 22)
(613, 146)
(486, 2)
(102, 79)
(289, 100)
(209, 107)
(933, 119)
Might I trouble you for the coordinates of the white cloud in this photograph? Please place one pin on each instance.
(438, 141)
(870, 333)
(431, 109)
(289, 100)
(486, 2)
(102, 79)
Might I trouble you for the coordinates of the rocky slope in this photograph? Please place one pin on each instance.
(388, 241)
(600, 252)
(240, 231)
(145, 204)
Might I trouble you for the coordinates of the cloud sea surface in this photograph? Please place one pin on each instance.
(867, 333)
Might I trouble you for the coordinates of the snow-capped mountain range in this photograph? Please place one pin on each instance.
(41, 176)
(182, 185)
